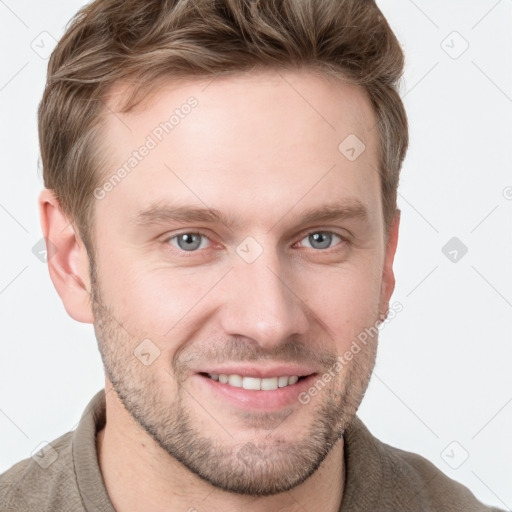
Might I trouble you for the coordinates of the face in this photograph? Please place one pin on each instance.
(243, 243)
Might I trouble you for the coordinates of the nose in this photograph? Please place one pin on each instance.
(262, 301)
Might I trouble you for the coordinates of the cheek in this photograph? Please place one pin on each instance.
(157, 301)
(345, 300)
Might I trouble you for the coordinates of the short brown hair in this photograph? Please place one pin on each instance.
(147, 42)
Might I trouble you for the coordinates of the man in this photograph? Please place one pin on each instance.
(220, 202)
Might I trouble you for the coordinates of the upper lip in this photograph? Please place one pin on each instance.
(260, 371)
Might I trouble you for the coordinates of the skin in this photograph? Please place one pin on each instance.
(263, 146)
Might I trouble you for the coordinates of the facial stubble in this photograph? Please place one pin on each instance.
(272, 465)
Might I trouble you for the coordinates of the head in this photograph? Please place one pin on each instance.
(282, 122)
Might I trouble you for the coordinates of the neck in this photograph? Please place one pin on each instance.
(140, 475)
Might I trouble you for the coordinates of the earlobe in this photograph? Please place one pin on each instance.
(388, 276)
(68, 262)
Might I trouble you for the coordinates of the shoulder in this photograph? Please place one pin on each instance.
(381, 476)
(427, 484)
(45, 481)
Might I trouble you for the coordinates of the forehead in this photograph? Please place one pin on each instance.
(318, 101)
(265, 139)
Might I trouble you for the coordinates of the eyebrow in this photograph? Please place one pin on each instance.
(162, 213)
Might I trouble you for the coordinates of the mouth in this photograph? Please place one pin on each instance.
(251, 392)
(253, 383)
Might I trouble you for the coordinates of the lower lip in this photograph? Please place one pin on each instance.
(256, 399)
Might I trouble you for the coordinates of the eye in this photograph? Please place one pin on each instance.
(193, 241)
(321, 239)
(188, 241)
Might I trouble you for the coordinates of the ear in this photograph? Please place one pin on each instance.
(68, 261)
(388, 277)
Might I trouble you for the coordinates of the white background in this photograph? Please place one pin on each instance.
(443, 369)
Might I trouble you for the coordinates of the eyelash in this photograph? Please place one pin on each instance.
(167, 241)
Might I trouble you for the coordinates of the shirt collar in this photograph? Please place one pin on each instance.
(361, 452)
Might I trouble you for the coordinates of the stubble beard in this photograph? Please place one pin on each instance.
(269, 466)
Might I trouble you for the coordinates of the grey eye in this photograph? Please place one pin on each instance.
(321, 239)
(188, 241)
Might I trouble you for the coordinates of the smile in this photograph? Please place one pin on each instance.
(255, 383)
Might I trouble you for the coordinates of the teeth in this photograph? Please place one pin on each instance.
(255, 383)
(235, 380)
(269, 384)
(282, 382)
(251, 383)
